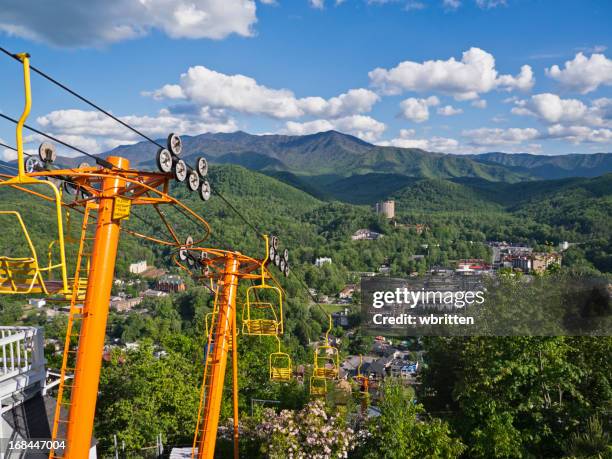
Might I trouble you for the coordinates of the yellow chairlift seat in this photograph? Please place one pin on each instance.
(24, 275)
(262, 314)
(318, 386)
(20, 275)
(326, 358)
(326, 362)
(280, 365)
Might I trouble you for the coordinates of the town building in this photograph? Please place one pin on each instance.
(471, 266)
(347, 292)
(386, 208)
(37, 302)
(150, 293)
(321, 261)
(139, 267)
(541, 261)
(365, 235)
(341, 318)
(531, 262)
(120, 304)
(170, 283)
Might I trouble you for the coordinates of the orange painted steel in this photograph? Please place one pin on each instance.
(95, 310)
(235, 383)
(227, 309)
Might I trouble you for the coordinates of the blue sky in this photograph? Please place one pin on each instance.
(457, 76)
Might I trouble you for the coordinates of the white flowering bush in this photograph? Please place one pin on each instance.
(310, 433)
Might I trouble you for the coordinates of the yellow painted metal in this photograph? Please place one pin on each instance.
(263, 317)
(326, 358)
(280, 365)
(318, 386)
(33, 267)
(25, 59)
(21, 275)
(75, 316)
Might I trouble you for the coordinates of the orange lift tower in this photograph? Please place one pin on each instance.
(262, 316)
(107, 192)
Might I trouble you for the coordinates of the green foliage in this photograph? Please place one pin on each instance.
(519, 396)
(143, 396)
(402, 431)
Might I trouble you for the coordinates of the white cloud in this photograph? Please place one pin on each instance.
(208, 88)
(319, 4)
(524, 81)
(414, 5)
(449, 110)
(417, 110)
(437, 144)
(466, 79)
(480, 103)
(592, 49)
(552, 109)
(451, 4)
(97, 22)
(496, 136)
(579, 134)
(583, 74)
(361, 126)
(488, 4)
(95, 132)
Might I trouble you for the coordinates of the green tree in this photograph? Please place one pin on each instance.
(401, 432)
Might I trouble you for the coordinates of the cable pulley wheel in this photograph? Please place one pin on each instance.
(180, 171)
(282, 265)
(164, 161)
(46, 152)
(202, 166)
(274, 240)
(175, 144)
(32, 164)
(286, 255)
(271, 253)
(193, 180)
(277, 259)
(205, 190)
(286, 271)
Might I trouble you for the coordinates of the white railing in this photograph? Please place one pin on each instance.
(21, 351)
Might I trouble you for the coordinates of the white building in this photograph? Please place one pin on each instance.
(365, 235)
(321, 261)
(37, 302)
(139, 267)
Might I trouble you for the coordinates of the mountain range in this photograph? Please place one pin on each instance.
(339, 166)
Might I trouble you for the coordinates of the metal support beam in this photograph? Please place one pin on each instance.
(95, 310)
(212, 407)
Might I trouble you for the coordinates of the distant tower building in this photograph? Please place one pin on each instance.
(386, 208)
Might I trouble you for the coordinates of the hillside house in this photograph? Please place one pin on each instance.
(322, 261)
(365, 235)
